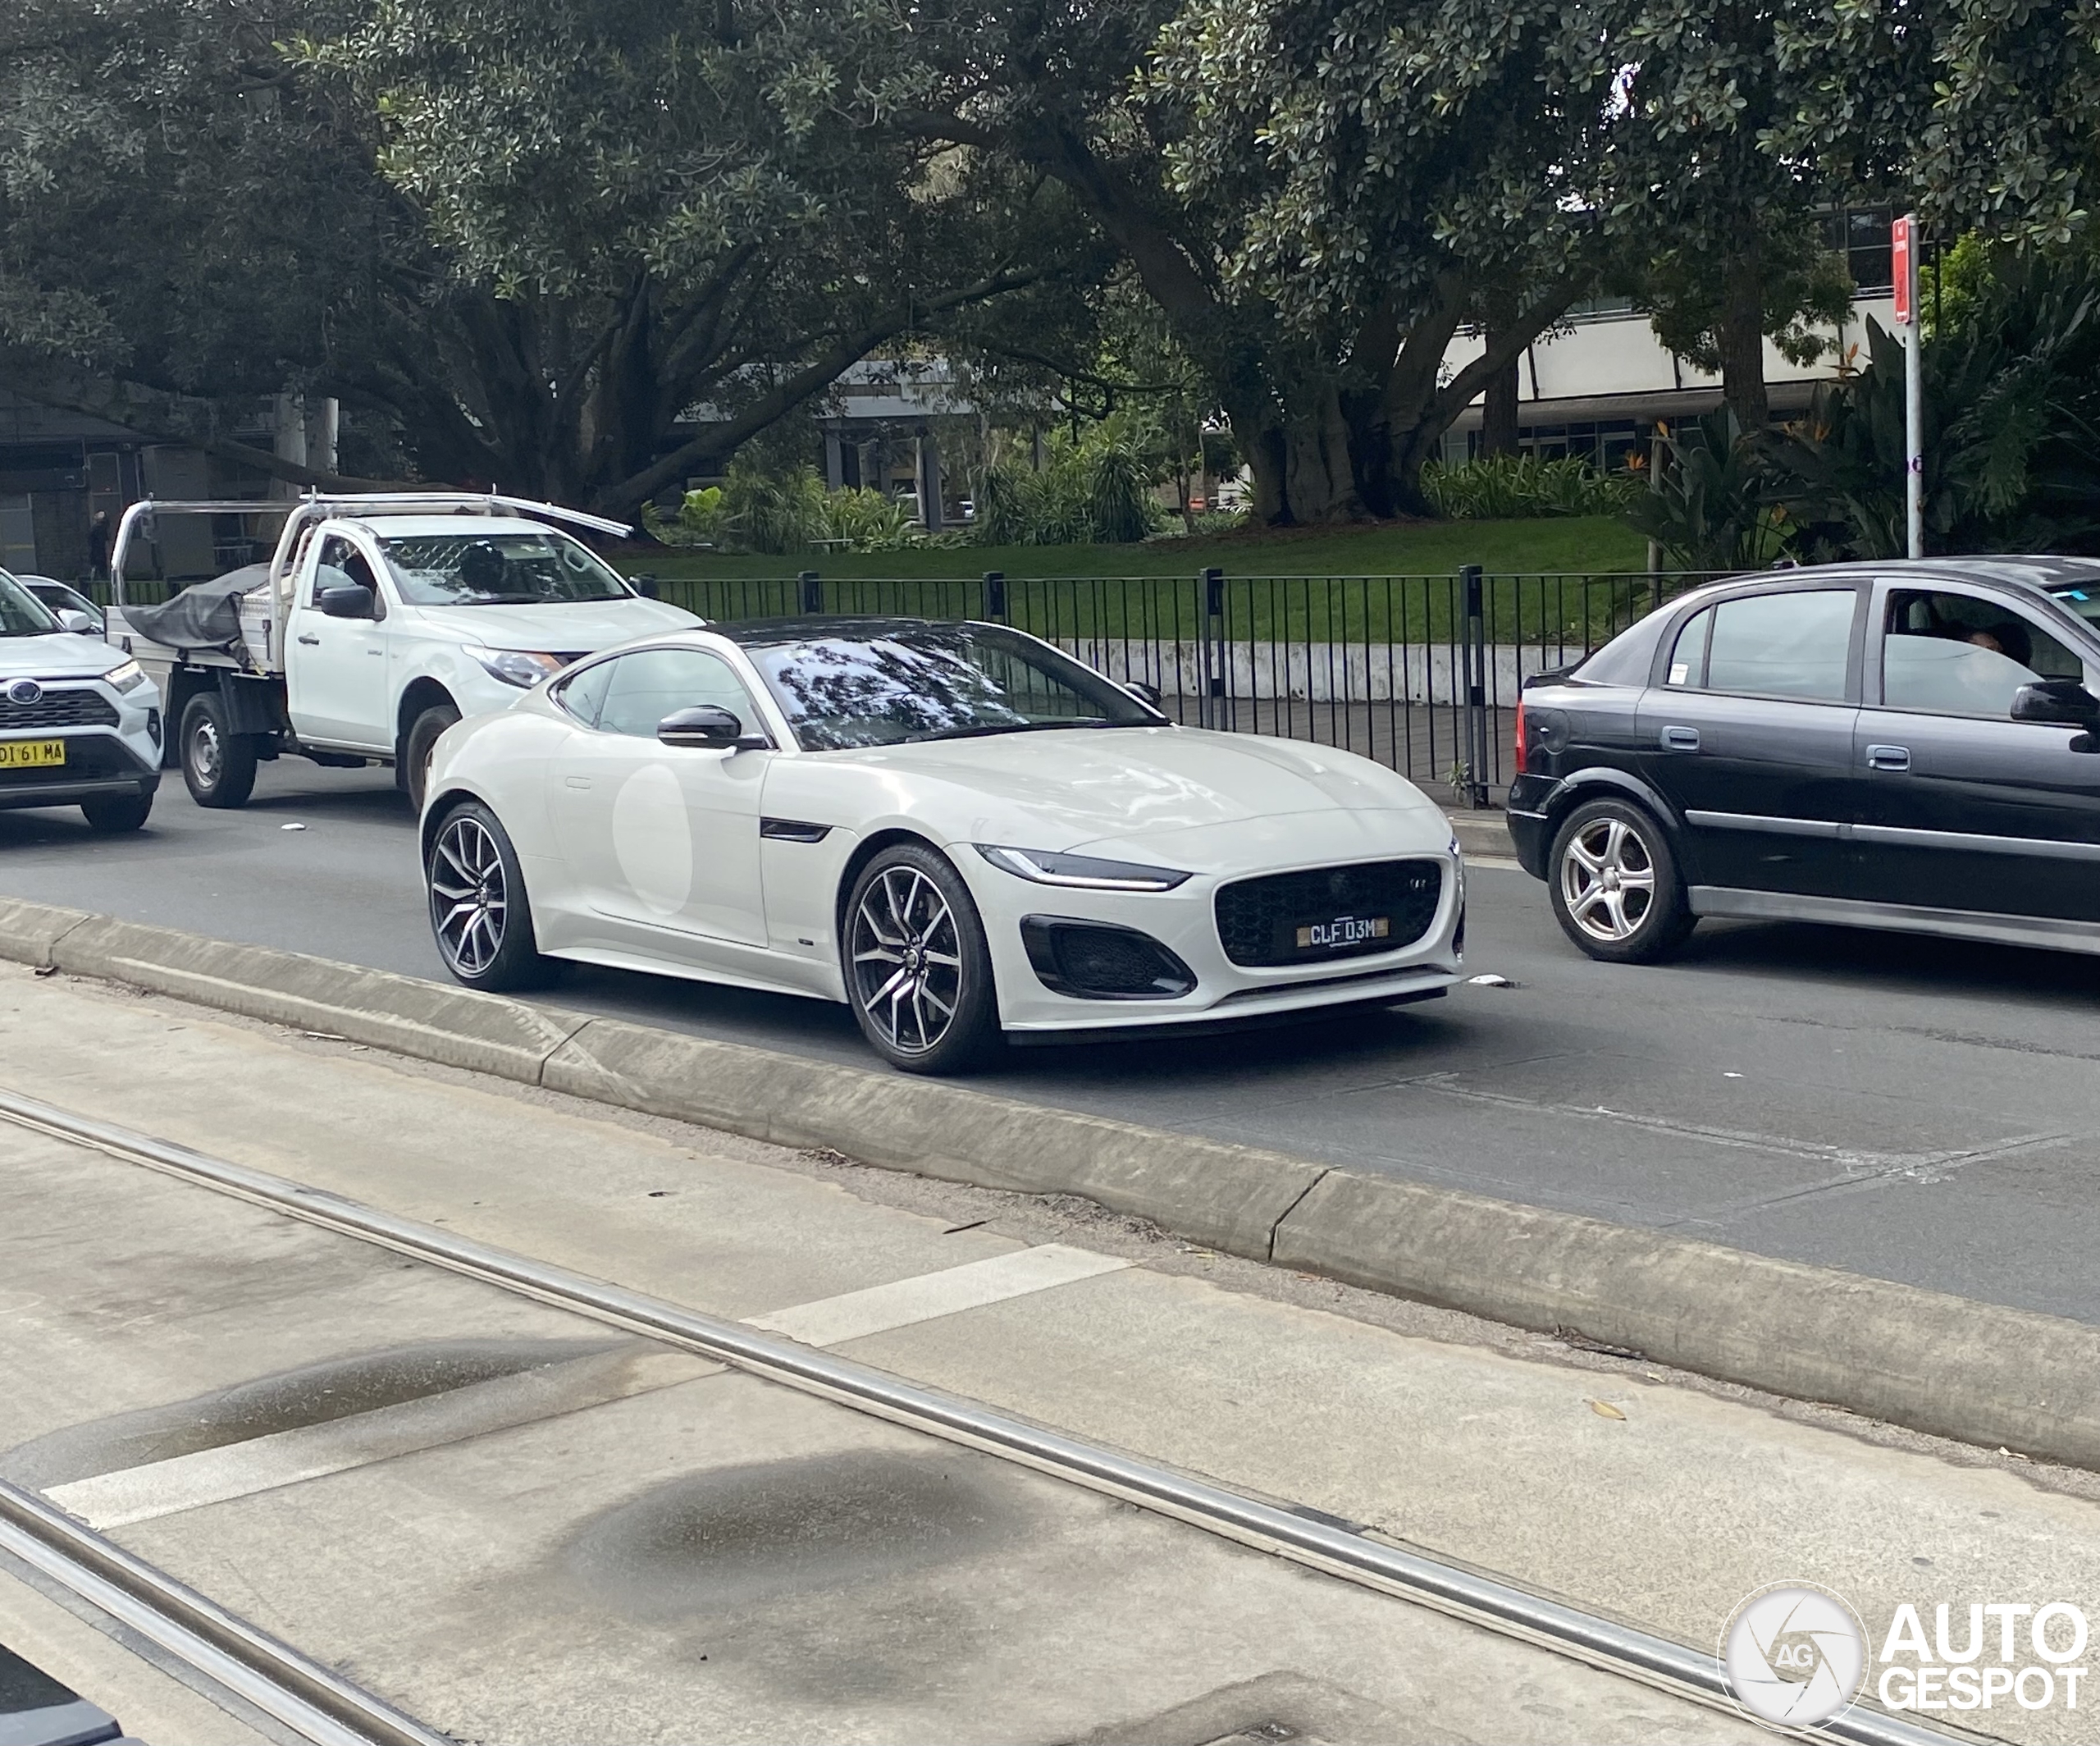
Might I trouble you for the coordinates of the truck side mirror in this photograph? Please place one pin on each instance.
(352, 602)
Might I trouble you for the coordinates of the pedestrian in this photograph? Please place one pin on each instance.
(98, 546)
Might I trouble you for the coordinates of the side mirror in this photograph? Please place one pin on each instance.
(2056, 703)
(79, 623)
(1146, 693)
(353, 603)
(707, 725)
(647, 586)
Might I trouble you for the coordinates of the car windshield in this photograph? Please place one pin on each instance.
(21, 613)
(498, 570)
(924, 681)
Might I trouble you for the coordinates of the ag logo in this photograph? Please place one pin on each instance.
(1794, 1654)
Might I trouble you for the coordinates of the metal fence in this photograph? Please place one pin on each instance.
(1421, 672)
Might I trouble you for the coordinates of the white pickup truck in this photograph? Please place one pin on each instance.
(380, 621)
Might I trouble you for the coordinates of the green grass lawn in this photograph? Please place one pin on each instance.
(1583, 544)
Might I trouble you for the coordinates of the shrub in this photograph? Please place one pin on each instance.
(1098, 490)
(1504, 488)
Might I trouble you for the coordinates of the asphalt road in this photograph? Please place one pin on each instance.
(1913, 1108)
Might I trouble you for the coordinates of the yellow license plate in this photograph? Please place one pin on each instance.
(14, 753)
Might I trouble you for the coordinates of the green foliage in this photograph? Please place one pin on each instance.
(1503, 487)
(783, 511)
(1707, 507)
(1096, 490)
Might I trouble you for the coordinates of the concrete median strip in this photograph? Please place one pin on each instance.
(1979, 1373)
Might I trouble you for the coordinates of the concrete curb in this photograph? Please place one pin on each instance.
(1979, 1373)
(1483, 834)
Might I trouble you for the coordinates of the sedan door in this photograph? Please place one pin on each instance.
(1750, 736)
(1968, 809)
(661, 840)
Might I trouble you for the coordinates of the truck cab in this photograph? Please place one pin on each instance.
(379, 623)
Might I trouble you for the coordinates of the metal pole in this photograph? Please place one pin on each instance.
(1904, 240)
(1478, 739)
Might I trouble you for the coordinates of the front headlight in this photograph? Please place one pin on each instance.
(1042, 868)
(517, 666)
(126, 675)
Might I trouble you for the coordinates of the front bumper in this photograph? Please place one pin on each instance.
(1183, 920)
(123, 759)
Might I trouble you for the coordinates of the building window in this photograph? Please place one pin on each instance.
(1861, 234)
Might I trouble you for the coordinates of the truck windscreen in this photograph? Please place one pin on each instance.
(498, 570)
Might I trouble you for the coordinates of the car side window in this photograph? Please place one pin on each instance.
(1688, 655)
(341, 565)
(1794, 644)
(582, 695)
(645, 687)
(1964, 654)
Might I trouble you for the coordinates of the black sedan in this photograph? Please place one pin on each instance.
(1911, 746)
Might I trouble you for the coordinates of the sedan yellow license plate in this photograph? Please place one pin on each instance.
(1343, 931)
(14, 753)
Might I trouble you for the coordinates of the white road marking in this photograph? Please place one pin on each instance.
(313, 1451)
(905, 1301)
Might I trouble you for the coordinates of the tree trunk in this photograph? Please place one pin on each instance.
(1302, 467)
(1497, 430)
(1741, 336)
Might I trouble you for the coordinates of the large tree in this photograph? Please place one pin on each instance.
(525, 242)
(1318, 196)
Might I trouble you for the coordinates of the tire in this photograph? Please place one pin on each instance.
(1615, 885)
(479, 913)
(918, 971)
(218, 765)
(111, 814)
(416, 747)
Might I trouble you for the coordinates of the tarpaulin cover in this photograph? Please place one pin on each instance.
(204, 615)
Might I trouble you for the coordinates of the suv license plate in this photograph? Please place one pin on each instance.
(1343, 931)
(14, 753)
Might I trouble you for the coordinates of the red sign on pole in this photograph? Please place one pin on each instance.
(1903, 258)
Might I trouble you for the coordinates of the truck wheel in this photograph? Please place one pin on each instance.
(417, 747)
(218, 765)
(109, 814)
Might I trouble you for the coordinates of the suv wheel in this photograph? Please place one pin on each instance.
(109, 814)
(217, 766)
(918, 971)
(1614, 884)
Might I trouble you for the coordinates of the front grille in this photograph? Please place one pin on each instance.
(1258, 919)
(71, 707)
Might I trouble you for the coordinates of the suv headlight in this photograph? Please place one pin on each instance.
(1042, 868)
(126, 675)
(516, 667)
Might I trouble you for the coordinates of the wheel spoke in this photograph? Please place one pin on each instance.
(1583, 856)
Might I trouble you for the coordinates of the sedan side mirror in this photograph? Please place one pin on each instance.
(2056, 703)
(708, 725)
(79, 623)
(352, 602)
(1146, 693)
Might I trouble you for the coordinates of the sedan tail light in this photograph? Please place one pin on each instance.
(1520, 733)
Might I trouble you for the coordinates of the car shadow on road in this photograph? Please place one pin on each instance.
(1867, 959)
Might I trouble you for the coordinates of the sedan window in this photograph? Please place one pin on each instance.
(1964, 655)
(651, 683)
(1769, 644)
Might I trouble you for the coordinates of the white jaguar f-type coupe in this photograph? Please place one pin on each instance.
(956, 828)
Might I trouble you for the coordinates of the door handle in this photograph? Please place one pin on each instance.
(381, 652)
(1888, 758)
(1680, 740)
(311, 641)
(576, 782)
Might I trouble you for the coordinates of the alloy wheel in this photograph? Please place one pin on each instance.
(907, 961)
(1608, 878)
(468, 896)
